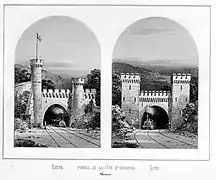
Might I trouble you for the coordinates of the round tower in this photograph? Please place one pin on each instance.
(130, 96)
(78, 101)
(36, 79)
(180, 95)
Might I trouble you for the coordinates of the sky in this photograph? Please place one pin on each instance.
(156, 39)
(68, 47)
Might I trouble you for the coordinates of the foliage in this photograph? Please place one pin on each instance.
(190, 116)
(20, 124)
(27, 143)
(166, 88)
(89, 107)
(190, 112)
(116, 89)
(47, 84)
(22, 75)
(21, 103)
(194, 89)
(94, 82)
(124, 144)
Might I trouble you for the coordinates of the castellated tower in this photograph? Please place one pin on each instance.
(180, 97)
(36, 75)
(78, 101)
(130, 96)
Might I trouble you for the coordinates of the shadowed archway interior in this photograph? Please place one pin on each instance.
(158, 116)
(54, 114)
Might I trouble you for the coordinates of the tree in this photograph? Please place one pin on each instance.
(94, 82)
(21, 103)
(47, 84)
(194, 89)
(116, 89)
(190, 112)
(22, 75)
(166, 88)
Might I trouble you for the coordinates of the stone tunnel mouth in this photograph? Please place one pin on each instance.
(54, 114)
(157, 119)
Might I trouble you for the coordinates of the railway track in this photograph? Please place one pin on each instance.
(177, 139)
(66, 137)
(163, 141)
(82, 134)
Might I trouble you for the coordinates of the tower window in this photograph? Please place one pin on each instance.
(129, 87)
(134, 99)
(123, 98)
(130, 111)
(175, 99)
(181, 87)
(186, 99)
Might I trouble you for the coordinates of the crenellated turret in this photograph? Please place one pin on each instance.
(181, 78)
(180, 97)
(130, 77)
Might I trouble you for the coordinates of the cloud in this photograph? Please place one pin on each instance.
(60, 64)
(148, 31)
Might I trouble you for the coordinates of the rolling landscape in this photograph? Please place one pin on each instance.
(154, 76)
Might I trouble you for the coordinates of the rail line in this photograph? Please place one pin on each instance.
(158, 142)
(176, 139)
(62, 136)
(68, 131)
(52, 138)
(84, 134)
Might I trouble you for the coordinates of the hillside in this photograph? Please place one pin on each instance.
(151, 79)
(165, 67)
(59, 82)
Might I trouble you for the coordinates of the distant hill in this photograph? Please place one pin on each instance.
(150, 79)
(165, 67)
(59, 82)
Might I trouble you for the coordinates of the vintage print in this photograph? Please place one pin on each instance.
(57, 85)
(155, 86)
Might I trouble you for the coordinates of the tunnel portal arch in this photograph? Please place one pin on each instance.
(52, 117)
(157, 116)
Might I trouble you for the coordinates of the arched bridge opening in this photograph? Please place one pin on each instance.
(154, 117)
(54, 114)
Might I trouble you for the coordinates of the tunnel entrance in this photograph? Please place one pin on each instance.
(54, 114)
(154, 117)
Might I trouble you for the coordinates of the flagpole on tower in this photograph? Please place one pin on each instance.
(38, 39)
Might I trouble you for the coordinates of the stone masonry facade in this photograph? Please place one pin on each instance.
(134, 101)
(72, 100)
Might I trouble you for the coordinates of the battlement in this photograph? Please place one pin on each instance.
(36, 62)
(181, 78)
(130, 77)
(154, 96)
(78, 81)
(154, 93)
(56, 93)
(90, 91)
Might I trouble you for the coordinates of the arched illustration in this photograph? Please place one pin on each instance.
(54, 45)
(154, 57)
